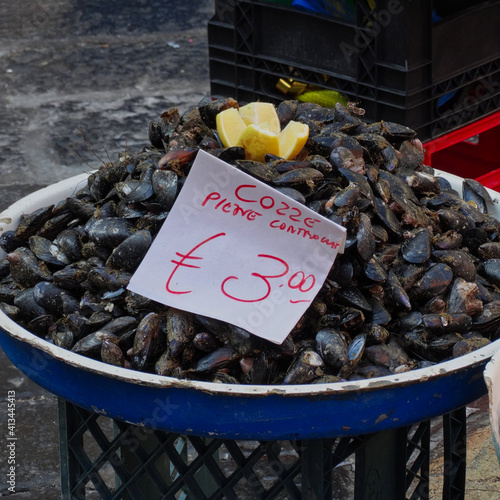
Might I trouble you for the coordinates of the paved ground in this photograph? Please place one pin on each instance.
(79, 82)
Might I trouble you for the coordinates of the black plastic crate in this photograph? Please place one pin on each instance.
(121, 461)
(224, 9)
(396, 60)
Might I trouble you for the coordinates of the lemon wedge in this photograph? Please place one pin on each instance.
(230, 126)
(256, 128)
(259, 113)
(258, 141)
(292, 139)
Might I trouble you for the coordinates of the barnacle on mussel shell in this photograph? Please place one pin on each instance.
(419, 282)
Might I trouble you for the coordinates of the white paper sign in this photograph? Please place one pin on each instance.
(235, 249)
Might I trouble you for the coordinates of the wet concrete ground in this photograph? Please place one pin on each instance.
(79, 83)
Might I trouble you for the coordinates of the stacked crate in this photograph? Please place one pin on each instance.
(397, 60)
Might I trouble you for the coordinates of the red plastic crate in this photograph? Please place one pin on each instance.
(472, 151)
(491, 180)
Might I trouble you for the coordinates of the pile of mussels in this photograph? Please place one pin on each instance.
(418, 283)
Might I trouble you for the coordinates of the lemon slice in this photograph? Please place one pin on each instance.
(292, 139)
(260, 113)
(258, 141)
(230, 126)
